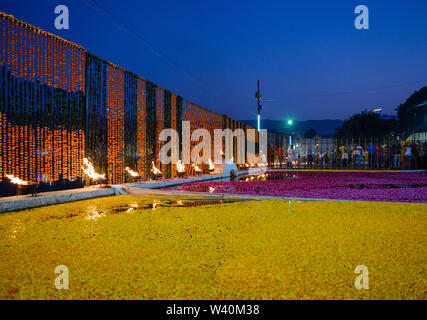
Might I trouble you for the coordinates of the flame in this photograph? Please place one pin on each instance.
(196, 168)
(211, 165)
(131, 172)
(180, 167)
(90, 170)
(154, 169)
(16, 180)
(211, 189)
(156, 204)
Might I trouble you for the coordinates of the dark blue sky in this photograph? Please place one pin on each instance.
(312, 62)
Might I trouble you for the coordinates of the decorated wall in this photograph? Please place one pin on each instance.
(60, 104)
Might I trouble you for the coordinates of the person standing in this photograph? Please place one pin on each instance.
(310, 158)
(281, 152)
(357, 152)
(371, 155)
(423, 155)
(326, 159)
(407, 156)
(291, 156)
(413, 154)
(344, 156)
(386, 156)
(334, 157)
(419, 160)
(339, 158)
(397, 151)
(379, 155)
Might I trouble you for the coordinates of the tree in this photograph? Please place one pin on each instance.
(406, 111)
(310, 133)
(366, 124)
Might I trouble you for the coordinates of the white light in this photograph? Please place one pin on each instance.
(154, 170)
(211, 165)
(16, 180)
(131, 172)
(89, 170)
(259, 122)
(180, 167)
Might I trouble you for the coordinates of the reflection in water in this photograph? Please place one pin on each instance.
(264, 177)
(17, 230)
(172, 204)
(132, 206)
(92, 213)
(156, 204)
(255, 177)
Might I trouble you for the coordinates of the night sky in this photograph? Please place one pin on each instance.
(312, 62)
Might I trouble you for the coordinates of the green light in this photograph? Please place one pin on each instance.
(290, 122)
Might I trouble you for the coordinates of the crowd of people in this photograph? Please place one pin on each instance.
(406, 155)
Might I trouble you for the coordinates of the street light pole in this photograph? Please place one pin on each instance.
(258, 97)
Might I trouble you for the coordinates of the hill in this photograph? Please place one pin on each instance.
(323, 127)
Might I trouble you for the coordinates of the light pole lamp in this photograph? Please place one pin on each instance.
(258, 97)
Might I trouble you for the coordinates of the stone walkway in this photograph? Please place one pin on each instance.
(54, 197)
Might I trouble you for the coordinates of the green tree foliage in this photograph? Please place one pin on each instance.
(406, 112)
(310, 133)
(366, 124)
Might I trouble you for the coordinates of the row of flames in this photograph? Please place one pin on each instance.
(89, 170)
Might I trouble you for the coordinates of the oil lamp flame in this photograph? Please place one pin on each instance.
(154, 169)
(131, 172)
(211, 165)
(89, 170)
(196, 168)
(180, 167)
(16, 180)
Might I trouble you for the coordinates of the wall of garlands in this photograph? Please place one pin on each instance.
(200, 117)
(42, 104)
(60, 103)
(243, 134)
